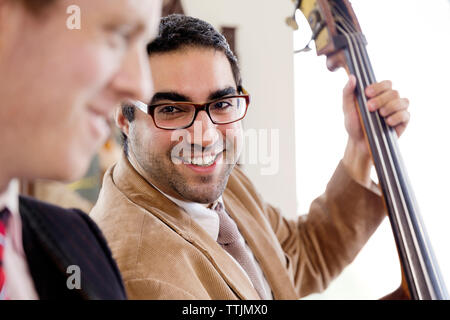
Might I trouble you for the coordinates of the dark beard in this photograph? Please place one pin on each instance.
(205, 193)
(160, 174)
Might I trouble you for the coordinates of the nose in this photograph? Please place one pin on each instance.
(203, 130)
(134, 79)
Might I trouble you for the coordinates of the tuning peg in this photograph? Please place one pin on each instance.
(290, 21)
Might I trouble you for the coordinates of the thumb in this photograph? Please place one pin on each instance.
(349, 89)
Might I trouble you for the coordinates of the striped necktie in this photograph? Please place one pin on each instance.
(4, 216)
(231, 241)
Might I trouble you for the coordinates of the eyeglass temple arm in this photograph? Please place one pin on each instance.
(140, 105)
(242, 90)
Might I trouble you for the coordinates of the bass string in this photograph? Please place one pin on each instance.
(362, 85)
(363, 61)
(357, 41)
(425, 256)
(416, 222)
(342, 17)
(377, 142)
(406, 216)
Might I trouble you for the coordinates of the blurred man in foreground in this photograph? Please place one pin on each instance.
(58, 86)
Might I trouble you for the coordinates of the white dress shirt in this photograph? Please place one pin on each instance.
(18, 284)
(208, 219)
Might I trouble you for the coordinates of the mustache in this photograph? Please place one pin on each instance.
(187, 146)
(181, 149)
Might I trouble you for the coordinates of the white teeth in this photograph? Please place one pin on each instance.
(199, 161)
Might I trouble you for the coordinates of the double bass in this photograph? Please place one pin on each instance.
(337, 35)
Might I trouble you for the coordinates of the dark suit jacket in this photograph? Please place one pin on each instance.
(54, 239)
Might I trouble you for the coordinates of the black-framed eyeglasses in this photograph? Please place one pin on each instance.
(181, 115)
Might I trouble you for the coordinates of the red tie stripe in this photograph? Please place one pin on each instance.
(4, 216)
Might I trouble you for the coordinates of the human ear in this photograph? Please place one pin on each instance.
(121, 121)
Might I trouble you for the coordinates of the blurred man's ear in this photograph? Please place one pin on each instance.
(121, 121)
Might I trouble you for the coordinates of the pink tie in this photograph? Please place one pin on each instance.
(231, 240)
(4, 216)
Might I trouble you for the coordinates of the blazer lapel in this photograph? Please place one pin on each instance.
(42, 230)
(140, 192)
(54, 239)
(261, 242)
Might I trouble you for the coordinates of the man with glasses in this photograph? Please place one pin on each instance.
(184, 222)
(58, 88)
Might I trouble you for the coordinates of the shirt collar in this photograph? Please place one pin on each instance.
(10, 198)
(205, 217)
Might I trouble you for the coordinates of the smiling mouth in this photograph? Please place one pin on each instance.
(200, 161)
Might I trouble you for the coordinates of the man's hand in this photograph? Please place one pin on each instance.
(394, 109)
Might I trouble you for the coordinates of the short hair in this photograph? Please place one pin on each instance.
(177, 32)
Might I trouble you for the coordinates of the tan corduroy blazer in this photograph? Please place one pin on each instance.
(163, 254)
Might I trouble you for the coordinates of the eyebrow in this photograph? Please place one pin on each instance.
(177, 97)
(222, 93)
(170, 96)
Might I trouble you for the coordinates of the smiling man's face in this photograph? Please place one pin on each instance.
(60, 86)
(195, 75)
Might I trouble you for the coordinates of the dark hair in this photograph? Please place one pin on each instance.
(177, 32)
